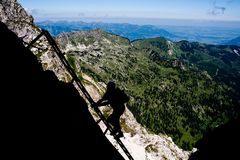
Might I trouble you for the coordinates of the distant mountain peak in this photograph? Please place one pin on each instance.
(98, 30)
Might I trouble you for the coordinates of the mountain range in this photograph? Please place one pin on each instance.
(130, 31)
(203, 34)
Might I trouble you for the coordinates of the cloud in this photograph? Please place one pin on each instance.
(229, 1)
(36, 12)
(217, 10)
(81, 14)
(41, 13)
(219, 7)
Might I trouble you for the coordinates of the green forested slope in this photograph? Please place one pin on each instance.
(182, 89)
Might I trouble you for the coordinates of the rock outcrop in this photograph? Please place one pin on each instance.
(22, 24)
(220, 143)
(18, 20)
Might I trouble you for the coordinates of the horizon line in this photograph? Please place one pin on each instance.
(145, 21)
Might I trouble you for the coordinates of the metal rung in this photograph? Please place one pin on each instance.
(105, 131)
(99, 120)
(72, 80)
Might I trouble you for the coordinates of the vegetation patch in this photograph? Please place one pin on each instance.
(151, 148)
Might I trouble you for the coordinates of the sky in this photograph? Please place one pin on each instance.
(216, 10)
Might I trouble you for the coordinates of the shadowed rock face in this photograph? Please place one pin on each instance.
(42, 116)
(220, 143)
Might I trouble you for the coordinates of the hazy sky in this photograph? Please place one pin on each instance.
(174, 9)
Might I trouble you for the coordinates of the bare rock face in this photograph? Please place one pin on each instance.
(17, 20)
(22, 24)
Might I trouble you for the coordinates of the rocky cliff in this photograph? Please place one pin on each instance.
(22, 24)
(17, 20)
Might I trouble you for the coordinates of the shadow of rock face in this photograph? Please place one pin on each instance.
(222, 143)
(42, 116)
